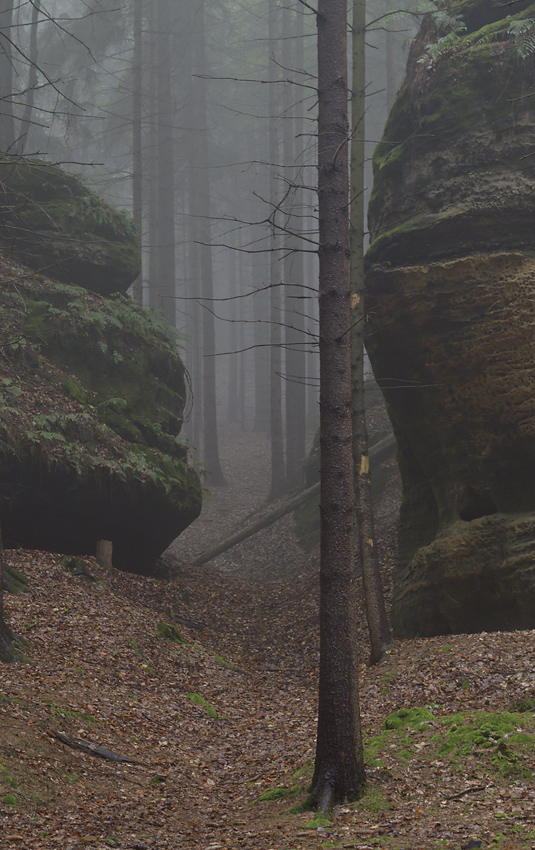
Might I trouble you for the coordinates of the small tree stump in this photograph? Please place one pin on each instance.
(104, 554)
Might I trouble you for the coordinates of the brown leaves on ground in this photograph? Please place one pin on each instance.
(219, 708)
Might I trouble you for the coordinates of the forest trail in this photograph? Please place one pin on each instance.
(219, 708)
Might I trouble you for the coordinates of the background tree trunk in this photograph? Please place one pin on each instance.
(339, 766)
(295, 369)
(202, 188)
(7, 128)
(25, 123)
(373, 591)
(137, 149)
(165, 169)
(278, 476)
(151, 167)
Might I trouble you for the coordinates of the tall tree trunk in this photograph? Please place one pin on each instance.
(232, 397)
(339, 766)
(151, 168)
(166, 171)
(295, 370)
(242, 374)
(373, 591)
(7, 128)
(25, 123)
(137, 149)
(278, 475)
(391, 63)
(261, 301)
(210, 435)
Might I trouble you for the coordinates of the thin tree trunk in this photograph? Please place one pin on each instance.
(391, 64)
(152, 168)
(242, 374)
(26, 119)
(7, 128)
(278, 477)
(261, 301)
(166, 170)
(210, 435)
(232, 398)
(339, 766)
(375, 605)
(295, 369)
(137, 151)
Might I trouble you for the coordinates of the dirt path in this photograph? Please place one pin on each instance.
(273, 553)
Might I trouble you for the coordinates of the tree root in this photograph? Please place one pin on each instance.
(325, 798)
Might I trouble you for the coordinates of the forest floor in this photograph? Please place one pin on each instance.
(218, 709)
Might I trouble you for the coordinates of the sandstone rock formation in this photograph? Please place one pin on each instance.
(92, 394)
(451, 331)
(51, 222)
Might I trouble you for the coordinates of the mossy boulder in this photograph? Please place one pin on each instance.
(54, 224)
(450, 289)
(92, 394)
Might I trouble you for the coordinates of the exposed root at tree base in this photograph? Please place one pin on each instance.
(325, 799)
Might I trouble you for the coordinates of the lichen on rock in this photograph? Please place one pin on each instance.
(450, 332)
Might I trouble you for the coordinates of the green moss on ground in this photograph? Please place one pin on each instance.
(198, 700)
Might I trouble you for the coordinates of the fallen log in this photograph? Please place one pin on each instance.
(94, 749)
(377, 453)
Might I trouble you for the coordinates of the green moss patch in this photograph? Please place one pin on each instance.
(198, 700)
(169, 632)
(502, 741)
(414, 718)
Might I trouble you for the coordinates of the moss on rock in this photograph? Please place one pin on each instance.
(55, 225)
(92, 395)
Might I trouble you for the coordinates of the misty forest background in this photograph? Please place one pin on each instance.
(200, 120)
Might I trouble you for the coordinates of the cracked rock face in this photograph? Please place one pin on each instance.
(451, 327)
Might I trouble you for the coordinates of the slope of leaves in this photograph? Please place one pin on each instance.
(207, 681)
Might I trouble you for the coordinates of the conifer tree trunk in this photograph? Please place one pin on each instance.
(232, 397)
(295, 370)
(7, 128)
(165, 169)
(375, 605)
(242, 372)
(25, 123)
(262, 336)
(137, 150)
(151, 169)
(391, 69)
(278, 476)
(210, 435)
(339, 766)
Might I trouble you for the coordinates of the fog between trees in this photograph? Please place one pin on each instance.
(200, 119)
